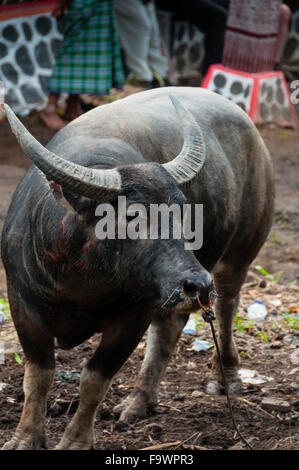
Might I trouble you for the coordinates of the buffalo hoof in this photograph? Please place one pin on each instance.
(69, 444)
(132, 408)
(217, 388)
(19, 442)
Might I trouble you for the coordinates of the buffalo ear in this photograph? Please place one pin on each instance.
(82, 205)
(71, 201)
(59, 196)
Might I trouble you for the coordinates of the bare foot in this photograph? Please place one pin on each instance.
(71, 116)
(51, 119)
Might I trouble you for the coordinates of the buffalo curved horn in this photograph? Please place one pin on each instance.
(89, 182)
(190, 160)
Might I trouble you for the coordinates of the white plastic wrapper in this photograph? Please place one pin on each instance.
(252, 377)
(201, 345)
(190, 327)
(257, 311)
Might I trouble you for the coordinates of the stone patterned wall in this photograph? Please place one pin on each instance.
(27, 54)
(236, 88)
(183, 44)
(188, 51)
(273, 101)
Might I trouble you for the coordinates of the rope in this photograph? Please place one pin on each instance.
(208, 316)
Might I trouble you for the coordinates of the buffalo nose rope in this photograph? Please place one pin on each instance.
(209, 316)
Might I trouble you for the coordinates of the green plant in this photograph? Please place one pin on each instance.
(291, 320)
(272, 277)
(263, 335)
(241, 324)
(246, 354)
(18, 358)
(199, 322)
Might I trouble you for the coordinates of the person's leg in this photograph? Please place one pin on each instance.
(284, 20)
(134, 28)
(157, 62)
(49, 115)
(73, 107)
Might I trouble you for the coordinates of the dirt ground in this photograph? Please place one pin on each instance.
(186, 417)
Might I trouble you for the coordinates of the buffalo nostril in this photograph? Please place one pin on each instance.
(205, 291)
(191, 287)
(201, 286)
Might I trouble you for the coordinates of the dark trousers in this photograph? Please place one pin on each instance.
(209, 16)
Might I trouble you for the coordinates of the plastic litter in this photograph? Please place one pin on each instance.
(2, 317)
(2, 386)
(1, 313)
(249, 376)
(67, 376)
(201, 345)
(190, 327)
(257, 311)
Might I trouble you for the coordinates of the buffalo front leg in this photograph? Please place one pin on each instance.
(30, 432)
(118, 342)
(79, 433)
(228, 284)
(163, 335)
(39, 373)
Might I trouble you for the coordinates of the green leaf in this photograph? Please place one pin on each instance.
(261, 269)
(18, 359)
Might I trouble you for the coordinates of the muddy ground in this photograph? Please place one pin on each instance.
(186, 417)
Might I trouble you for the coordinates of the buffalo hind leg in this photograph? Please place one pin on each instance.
(39, 371)
(163, 335)
(228, 283)
(119, 340)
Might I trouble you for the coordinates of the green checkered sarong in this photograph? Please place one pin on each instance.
(89, 60)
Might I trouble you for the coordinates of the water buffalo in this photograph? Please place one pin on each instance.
(64, 284)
